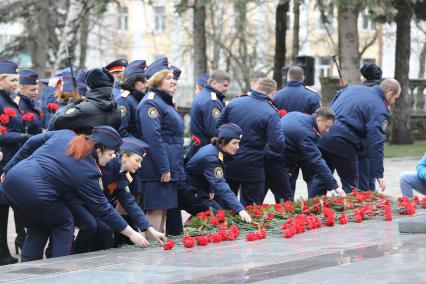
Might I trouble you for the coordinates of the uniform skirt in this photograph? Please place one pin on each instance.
(157, 195)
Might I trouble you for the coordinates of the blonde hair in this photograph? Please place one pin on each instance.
(157, 79)
(61, 95)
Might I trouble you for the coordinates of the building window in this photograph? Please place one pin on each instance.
(160, 19)
(366, 21)
(123, 18)
(324, 66)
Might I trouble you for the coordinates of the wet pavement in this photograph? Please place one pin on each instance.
(371, 252)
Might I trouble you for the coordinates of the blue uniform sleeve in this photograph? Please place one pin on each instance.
(214, 174)
(421, 168)
(11, 137)
(313, 156)
(150, 118)
(274, 134)
(126, 118)
(315, 103)
(376, 137)
(128, 202)
(209, 120)
(92, 195)
(28, 148)
(223, 118)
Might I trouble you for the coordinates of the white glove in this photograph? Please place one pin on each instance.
(339, 192)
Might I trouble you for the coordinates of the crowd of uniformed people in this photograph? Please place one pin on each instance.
(103, 151)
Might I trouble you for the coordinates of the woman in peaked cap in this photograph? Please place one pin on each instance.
(58, 165)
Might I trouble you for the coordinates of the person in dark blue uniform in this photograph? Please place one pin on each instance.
(295, 96)
(161, 127)
(98, 108)
(133, 90)
(176, 72)
(361, 113)
(201, 82)
(302, 135)
(206, 184)
(48, 99)
(206, 109)
(259, 120)
(116, 177)
(81, 83)
(116, 69)
(373, 76)
(9, 142)
(26, 100)
(57, 165)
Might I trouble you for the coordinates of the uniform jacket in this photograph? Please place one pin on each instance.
(205, 172)
(161, 127)
(27, 105)
(116, 188)
(11, 141)
(129, 101)
(205, 111)
(259, 120)
(362, 113)
(302, 145)
(295, 96)
(58, 176)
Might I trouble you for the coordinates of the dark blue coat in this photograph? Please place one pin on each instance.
(47, 96)
(205, 111)
(295, 96)
(161, 127)
(205, 172)
(259, 120)
(116, 188)
(11, 141)
(116, 90)
(57, 176)
(362, 113)
(27, 105)
(302, 146)
(130, 102)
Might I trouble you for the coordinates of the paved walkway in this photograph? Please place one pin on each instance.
(332, 250)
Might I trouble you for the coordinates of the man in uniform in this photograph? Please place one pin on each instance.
(201, 82)
(302, 135)
(295, 96)
(259, 120)
(206, 109)
(361, 113)
(116, 68)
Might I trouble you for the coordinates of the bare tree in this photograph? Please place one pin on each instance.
(280, 36)
(296, 28)
(200, 44)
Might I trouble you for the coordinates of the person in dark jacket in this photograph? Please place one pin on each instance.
(99, 107)
(259, 120)
(59, 164)
(206, 184)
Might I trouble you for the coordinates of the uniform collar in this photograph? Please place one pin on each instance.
(294, 83)
(260, 96)
(315, 125)
(8, 96)
(167, 98)
(138, 95)
(218, 93)
(381, 94)
(25, 98)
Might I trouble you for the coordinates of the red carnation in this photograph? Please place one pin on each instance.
(28, 117)
(343, 220)
(52, 107)
(214, 221)
(188, 242)
(169, 245)
(2, 130)
(10, 112)
(4, 118)
(282, 112)
(271, 215)
(220, 216)
(257, 213)
(216, 238)
(251, 237)
(202, 240)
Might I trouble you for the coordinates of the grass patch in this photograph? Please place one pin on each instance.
(414, 150)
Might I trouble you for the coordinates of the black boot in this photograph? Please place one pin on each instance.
(20, 233)
(5, 257)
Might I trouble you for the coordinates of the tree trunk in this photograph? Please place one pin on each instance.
(39, 35)
(347, 15)
(280, 35)
(401, 133)
(84, 36)
(422, 62)
(296, 27)
(76, 11)
(200, 56)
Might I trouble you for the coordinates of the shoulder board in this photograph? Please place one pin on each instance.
(125, 93)
(17, 100)
(213, 96)
(220, 156)
(151, 96)
(310, 89)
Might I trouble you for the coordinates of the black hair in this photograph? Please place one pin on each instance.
(131, 80)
